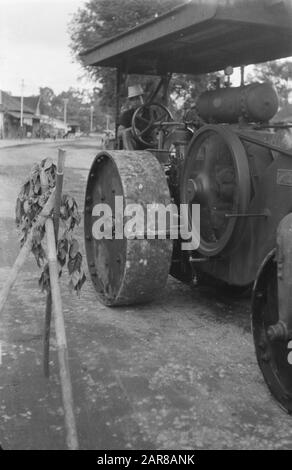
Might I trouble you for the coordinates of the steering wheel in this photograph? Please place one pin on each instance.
(146, 119)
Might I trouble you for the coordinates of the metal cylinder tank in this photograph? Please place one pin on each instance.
(257, 102)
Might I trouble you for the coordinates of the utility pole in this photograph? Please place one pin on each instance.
(21, 107)
(242, 75)
(65, 110)
(2, 136)
(91, 118)
(107, 121)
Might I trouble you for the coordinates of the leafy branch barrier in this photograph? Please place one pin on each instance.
(26, 248)
(30, 201)
(40, 195)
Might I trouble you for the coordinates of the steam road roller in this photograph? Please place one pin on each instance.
(228, 156)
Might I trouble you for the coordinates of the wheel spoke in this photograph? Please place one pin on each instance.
(157, 114)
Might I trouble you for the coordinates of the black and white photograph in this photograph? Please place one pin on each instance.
(145, 228)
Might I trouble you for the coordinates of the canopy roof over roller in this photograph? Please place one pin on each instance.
(200, 37)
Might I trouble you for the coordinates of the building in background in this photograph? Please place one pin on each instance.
(52, 127)
(35, 124)
(10, 118)
(32, 102)
(74, 126)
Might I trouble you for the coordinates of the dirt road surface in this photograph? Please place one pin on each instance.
(179, 373)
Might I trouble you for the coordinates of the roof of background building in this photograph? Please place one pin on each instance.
(17, 115)
(30, 101)
(12, 103)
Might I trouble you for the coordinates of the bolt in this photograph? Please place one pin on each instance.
(277, 331)
(192, 189)
(266, 357)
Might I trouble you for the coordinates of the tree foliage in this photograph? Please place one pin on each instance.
(101, 19)
(29, 204)
(277, 72)
(78, 107)
(98, 20)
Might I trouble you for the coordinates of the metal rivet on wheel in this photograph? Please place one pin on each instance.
(266, 357)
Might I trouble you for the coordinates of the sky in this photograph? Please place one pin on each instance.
(34, 46)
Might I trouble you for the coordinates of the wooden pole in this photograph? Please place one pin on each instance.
(59, 186)
(25, 250)
(47, 333)
(56, 218)
(48, 312)
(71, 433)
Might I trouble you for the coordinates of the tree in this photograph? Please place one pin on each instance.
(101, 19)
(47, 95)
(98, 20)
(78, 106)
(278, 73)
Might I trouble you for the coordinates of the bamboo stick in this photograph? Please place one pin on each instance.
(71, 433)
(56, 217)
(59, 186)
(48, 312)
(25, 250)
(47, 334)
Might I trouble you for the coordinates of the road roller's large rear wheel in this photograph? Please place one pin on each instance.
(272, 356)
(126, 271)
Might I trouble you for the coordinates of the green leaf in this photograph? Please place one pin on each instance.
(75, 278)
(44, 280)
(47, 163)
(70, 202)
(74, 247)
(37, 186)
(70, 266)
(26, 206)
(35, 171)
(64, 212)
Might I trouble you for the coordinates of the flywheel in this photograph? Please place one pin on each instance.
(216, 176)
(126, 269)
